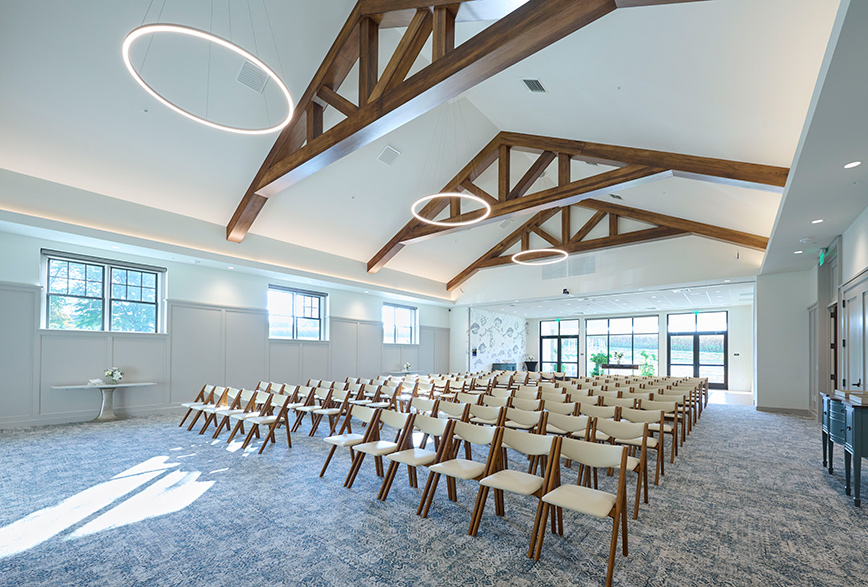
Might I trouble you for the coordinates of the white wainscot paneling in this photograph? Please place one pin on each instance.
(314, 360)
(197, 334)
(344, 345)
(392, 358)
(246, 348)
(17, 344)
(72, 359)
(441, 350)
(410, 353)
(370, 350)
(141, 358)
(427, 339)
(284, 362)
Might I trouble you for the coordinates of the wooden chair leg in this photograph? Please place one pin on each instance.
(481, 497)
(387, 481)
(541, 511)
(328, 458)
(193, 421)
(253, 429)
(189, 410)
(612, 547)
(428, 495)
(499, 505)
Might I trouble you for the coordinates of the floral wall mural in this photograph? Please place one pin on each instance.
(497, 338)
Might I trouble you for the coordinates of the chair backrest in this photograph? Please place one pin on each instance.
(430, 425)
(420, 404)
(621, 430)
(547, 386)
(553, 397)
(638, 395)
(500, 392)
(534, 394)
(561, 408)
(313, 382)
(479, 435)
(354, 388)
(468, 398)
(529, 405)
(567, 423)
(394, 419)
(490, 400)
(525, 417)
(649, 416)
(527, 388)
(454, 410)
(486, 412)
(607, 412)
(362, 413)
(527, 443)
(340, 395)
(303, 392)
(322, 393)
(624, 402)
(667, 407)
(594, 455)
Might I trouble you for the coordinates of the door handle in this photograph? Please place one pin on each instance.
(858, 383)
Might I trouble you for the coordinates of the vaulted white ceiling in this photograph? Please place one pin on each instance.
(727, 79)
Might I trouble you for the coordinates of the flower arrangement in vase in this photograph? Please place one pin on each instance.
(114, 374)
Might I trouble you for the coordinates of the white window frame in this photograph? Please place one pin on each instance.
(392, 337)
(322, 318)
(107, 299)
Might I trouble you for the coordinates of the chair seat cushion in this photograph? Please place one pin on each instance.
(602, 436)
(191, 404)
(264, 420)
(345, 439)
(360, 402)
(581, 499)
(667, 428)
(514, 481)
(519, 425)
(307, 409)
(377, 447)
(328, 411)
(651, 442)
(379, 405)
(478, 420)
(414, 457)
(459, 468)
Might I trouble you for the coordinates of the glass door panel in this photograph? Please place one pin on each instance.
(711, 349)
(681, 351)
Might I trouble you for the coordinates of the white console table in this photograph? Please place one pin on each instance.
(106, 413)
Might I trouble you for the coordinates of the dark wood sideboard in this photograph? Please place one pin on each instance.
(845, 422)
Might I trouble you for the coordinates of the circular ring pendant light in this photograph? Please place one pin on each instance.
(424, 199)
(192, 32)
(562, 255)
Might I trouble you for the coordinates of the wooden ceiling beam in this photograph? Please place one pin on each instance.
(478, 191)
(531, 175)
(514, 237)
(524, 31)
(328, 97)
(546, 236)
(606, 242)
(728, 235)
(483, 160)
(752, 175)
(564, 195)
(405, 54)
(587, 227)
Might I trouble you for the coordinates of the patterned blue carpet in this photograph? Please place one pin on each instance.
(143, 502)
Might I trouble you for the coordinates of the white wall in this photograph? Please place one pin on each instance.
(459, 351)
(854, 248)
(782, 302)
(217, 332)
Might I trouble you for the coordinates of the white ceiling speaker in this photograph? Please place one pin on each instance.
(389, 154)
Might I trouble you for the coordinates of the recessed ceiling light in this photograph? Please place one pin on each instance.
(817, 221)
(115, 247)
(798, 252)
(852, 164)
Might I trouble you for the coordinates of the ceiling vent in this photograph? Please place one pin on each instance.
(252, 76)
(535, 86)
(389, 155)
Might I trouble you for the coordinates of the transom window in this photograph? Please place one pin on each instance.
(400, 324)
(86, 293)
(295, 313)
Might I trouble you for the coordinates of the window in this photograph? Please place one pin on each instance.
(87, 293)
(296, 314)
(399, 324)
(559, 346)
(630, 341)
(697, 346)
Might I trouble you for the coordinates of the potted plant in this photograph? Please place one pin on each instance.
(599, 359)
(646, 367)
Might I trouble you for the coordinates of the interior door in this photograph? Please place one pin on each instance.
(854, 342)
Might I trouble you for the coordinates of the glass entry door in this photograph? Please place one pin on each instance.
(698, 346)
(559, 346)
